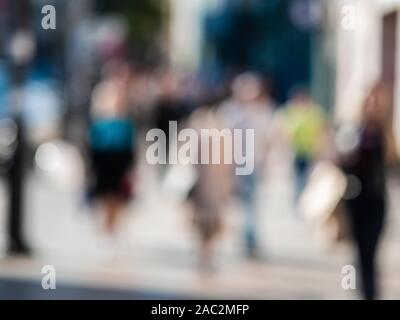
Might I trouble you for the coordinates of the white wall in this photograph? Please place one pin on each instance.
(358, 55)
(185, 31)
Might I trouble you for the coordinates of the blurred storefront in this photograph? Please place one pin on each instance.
(185, 48)
(367, 39)
(260, 35)
(289, 41)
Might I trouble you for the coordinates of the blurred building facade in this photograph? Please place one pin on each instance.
(367, 40)
(227, 37)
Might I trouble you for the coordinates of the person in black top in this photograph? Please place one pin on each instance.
(367, 210)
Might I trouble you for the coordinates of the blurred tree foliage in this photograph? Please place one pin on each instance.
(145, 20)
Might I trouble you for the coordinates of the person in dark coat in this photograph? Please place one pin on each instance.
(367, 209)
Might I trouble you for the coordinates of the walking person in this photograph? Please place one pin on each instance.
(15, 174)
(210, 193)
(112, 143)
(366, 163)
(250, 107)
(304, 123)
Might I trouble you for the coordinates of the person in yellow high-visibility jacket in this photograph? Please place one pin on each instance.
(304, 123)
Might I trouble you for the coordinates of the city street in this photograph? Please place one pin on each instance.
(155, 254)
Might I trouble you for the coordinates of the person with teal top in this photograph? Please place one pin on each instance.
(111, 139)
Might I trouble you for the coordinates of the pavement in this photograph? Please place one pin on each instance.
(154, 255)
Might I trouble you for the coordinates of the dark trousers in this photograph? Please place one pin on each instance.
(15, 210)
(15, 184)
(302, 168)
(367, 218)
(247, 194)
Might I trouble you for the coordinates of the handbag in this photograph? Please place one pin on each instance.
(321, 202)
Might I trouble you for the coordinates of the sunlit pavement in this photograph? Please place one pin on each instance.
(155, 254)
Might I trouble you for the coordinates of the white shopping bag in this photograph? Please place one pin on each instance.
(323, 193)
(178, 181)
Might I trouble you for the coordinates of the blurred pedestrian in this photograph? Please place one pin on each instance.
(210, 192)
(366, 165)
(304, 123)
(13, 150)
(171, 106)
(112, 143)
(250, 107)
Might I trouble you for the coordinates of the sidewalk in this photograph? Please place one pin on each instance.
(156, 250)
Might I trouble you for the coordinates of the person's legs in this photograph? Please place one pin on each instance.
(15, 183)
(209, 227)
(248, 188)
(206, 252)
(367, 220)
(113, 206)
(301, 165)
(366, 254)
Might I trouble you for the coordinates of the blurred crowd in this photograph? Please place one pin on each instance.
(126, 102)
(340, 168)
